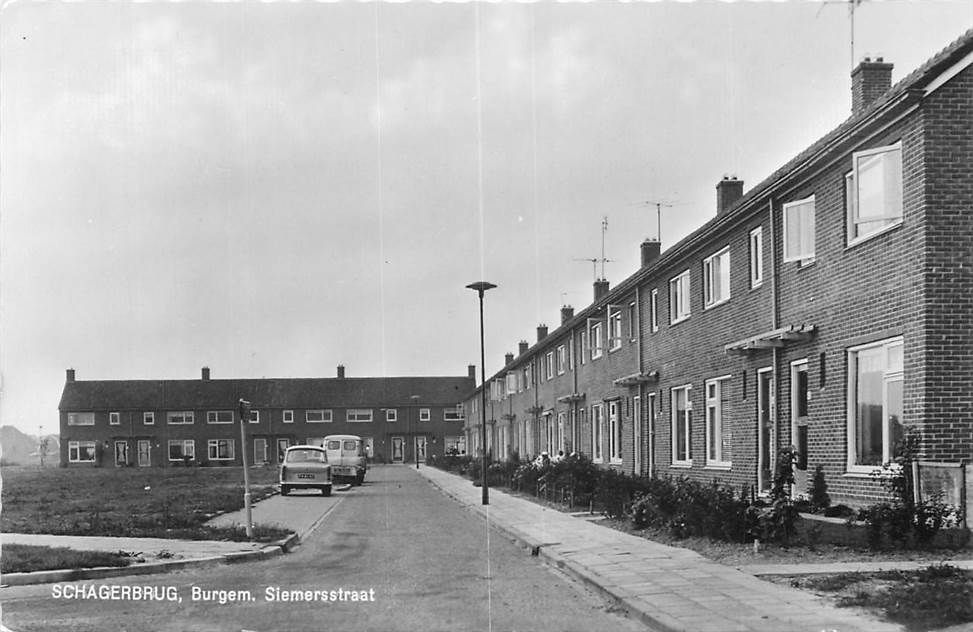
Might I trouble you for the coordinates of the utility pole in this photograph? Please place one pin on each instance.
(244, 418)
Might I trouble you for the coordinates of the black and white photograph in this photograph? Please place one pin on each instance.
(486, 316)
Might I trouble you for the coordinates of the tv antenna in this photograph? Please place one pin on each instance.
(851, 18)
(602, 260)
(659, 205)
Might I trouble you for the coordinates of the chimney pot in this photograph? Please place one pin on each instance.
(471, 371)
(69, 375)
(728, 191)
(507, 358)
(869, 81)
(205, 372)
(601, 289)
(341, 371)
(522, 347)
(650, 251)
(567, 313)
(541, 332)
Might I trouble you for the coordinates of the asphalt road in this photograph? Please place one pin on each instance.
(413, 558)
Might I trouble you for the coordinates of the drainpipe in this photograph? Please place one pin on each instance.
(774, 323)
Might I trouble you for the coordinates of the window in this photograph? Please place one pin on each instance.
(596, 436)
(288, 416)
(81, 451)
(562, 359)
(182, 449)
(716, 278)
(874, 191)
(584, 346)
(559, 441)
(633, 329)
(799, 231)
(114, 419)
(81, 419)
(875, 403)
(359, 415)
(528, 375)
(614, 330)
(180, 417)
(614, 433)
(219, 416)
(454, 414)
(255, 416)
(597, 343)
(317, 416)
(424, 414)
(654, 310)
(800, 395)
(511, 379)
(756, 256)
(221, 449)
(391, 414)
(717, 435)
(679, 298)
(682, 420)
(148, 418)
(549, 364)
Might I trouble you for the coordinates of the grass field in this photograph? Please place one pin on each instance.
(131, 502)
(19, 558)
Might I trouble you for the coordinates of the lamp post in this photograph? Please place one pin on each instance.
(481, 287)
(244, 418)
(415, 434)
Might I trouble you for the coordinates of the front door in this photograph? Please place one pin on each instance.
(145, 453)
(260, 451)
(637, 432)
(121, 453)
(420, 449)
(398, 450)
(282, 445)
(765, 424)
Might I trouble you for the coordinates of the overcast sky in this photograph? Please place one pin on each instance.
(274, 189)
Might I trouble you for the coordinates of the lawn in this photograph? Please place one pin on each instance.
(129, 502)
(19, 558)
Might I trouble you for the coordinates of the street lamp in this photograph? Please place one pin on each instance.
(244, 418)
(481, 287)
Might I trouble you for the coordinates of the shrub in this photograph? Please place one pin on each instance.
(817, 491)
(684, 507)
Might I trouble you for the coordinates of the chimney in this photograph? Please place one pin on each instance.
(650, 251)
(70, 375)
(205, 373)
(541, 332)
(471, 371)
(522, 347)
(567, 313)
(869, 81)
(728, 191)
(508, 358)
(341, 371)
(601, 289)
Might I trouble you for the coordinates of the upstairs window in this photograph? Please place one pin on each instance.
(654, 310)
(114, 419)
(391, 414)
(756, 257)
(679, 307)
(454, 414)
(597, 344)
(425, 414)
(799, 231)
(716, 278)
(219, 416)
(550, 364)
(317, 416)
(288, 416)
(614, 330)
(359, 415)
(81, 419)
(632, 322)
(180, 417)
(562, 359)
(874, 191)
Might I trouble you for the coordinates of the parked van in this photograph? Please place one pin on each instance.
(346, 454)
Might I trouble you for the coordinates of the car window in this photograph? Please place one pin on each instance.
(350, 445)
(306, 456)
(334, 445)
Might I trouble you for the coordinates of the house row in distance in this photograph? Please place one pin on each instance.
(829, 308)
(163, 423)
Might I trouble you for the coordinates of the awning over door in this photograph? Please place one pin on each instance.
(770, 339)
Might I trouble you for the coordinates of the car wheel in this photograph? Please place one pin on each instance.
(326, 491)
(284, 490)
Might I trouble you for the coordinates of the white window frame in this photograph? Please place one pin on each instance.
(892, 374)
(756, 257)
(114, 419)
(358, 415)
(213, 416)
(81, 419)
(148, 418)
(326, 416)
(559, 443)
(597, 434)
(614, 432)
(687, 421)
(288, 417)
(528, 375)
(632, 322)
(654, 309)
(254, 417)
(807, 246)
(391, 415)
(425, 414)
(74, 451)
(510, 383)
(597, 341)
(614, 330)
(562, 359)
(213, 448)
(185, 417)
(549, 365)
(716, 278)
(680, 306)
(717, 434)
(894, 198)
(190, 443)
(454, 414)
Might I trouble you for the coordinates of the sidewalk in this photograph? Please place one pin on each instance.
(669, 588)
(296, 513)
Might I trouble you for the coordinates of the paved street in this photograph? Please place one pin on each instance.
(413, 558)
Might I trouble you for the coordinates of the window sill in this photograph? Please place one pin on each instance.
(717, 303)
(719, 465)
(756, 286)
(616, 462)
(682, 465)
(673, 323)
(857, 241)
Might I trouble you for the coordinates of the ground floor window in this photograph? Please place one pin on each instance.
(219, 449)
(261, 453)
(81, 451)
(180, 450)
(614, 433)
(121, 453)
(717, 433)
(875, 388)
(682, 421)
(144, 452)
(455, 444)
(596, 436)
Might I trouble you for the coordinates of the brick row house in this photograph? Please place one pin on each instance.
(161, 423)
(829, 308)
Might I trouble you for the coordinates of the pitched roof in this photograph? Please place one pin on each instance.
(365, 392)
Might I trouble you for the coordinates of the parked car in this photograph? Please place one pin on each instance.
(305, 467)
(346, 453)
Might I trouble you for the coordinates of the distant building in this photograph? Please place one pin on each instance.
(163, 423)
(829, 308)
